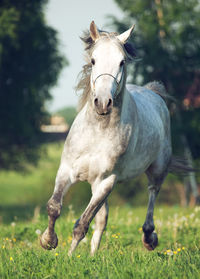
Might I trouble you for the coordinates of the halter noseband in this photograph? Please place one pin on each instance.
(107, 74)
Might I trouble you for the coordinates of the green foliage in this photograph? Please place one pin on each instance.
(68, 113)
(29, 67)
(121, 253)
(167, 38)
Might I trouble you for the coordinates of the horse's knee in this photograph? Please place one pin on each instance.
(53, 208)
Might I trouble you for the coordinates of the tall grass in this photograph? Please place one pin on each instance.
(121, 253)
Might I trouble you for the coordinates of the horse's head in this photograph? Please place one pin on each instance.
(108, 56)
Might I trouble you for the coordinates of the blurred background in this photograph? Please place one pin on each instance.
(41, 55)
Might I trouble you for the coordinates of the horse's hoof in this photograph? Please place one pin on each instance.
(49, 242)
(151, 243)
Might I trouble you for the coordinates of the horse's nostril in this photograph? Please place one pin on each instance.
(109, 103)
(96, 102)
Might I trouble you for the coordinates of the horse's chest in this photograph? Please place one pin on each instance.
(96, 156)
(94, 161)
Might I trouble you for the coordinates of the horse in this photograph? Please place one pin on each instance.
(121, 131)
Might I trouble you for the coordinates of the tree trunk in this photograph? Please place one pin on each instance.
(190, 182)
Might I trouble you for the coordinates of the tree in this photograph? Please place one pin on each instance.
(29, 66)
(167, 38)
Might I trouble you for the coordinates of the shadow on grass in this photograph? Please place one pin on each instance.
(77, 198)
(12, 213)
(31, 212)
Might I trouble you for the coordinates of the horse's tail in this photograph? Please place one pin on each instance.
(179, 165)
(159, 89)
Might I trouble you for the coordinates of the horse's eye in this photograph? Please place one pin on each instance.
(92, 61)
(122, 63)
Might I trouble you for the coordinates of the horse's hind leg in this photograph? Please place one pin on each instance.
(49, 238)
(150, 239)
(100, 225)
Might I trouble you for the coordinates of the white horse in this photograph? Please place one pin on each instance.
(120, 132)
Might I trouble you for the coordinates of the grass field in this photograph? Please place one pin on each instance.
(23, 217)
(121, 254)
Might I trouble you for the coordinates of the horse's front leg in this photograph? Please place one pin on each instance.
(102, 191)
(49, 238)
(100, 225)
(150, 239)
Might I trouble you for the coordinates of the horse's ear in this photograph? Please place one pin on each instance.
(126, 35)
(94, 33)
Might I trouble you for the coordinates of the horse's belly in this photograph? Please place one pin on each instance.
(135, 162)
(131, 170)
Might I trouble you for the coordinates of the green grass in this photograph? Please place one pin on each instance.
(33, 183)
(21, 193)
(121, 254)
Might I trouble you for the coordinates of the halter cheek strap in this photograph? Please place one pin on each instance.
(107, 74)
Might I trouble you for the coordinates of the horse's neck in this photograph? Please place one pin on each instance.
(128, 112)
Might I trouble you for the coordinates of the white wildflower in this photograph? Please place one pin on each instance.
(38, 232)
(192, 216)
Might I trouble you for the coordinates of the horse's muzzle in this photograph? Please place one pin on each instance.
(103, 106)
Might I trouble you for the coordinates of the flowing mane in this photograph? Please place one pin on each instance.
(84, 76)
